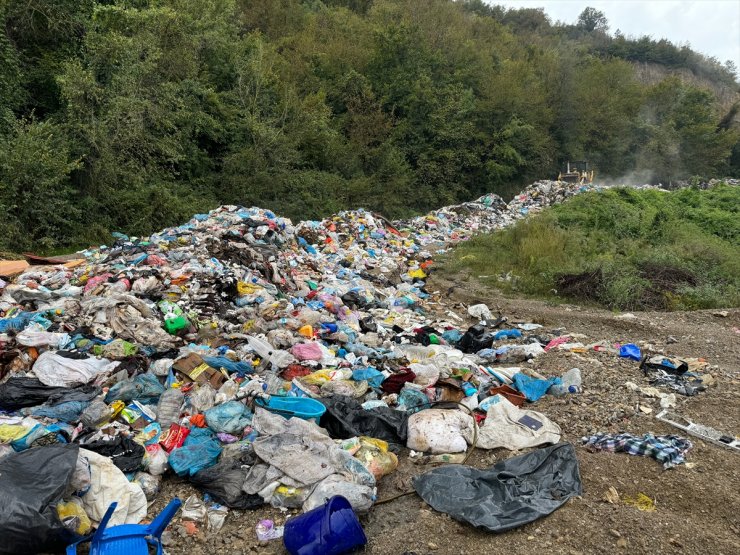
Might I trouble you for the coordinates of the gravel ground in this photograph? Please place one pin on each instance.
(697, 506)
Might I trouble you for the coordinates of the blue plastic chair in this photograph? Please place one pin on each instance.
(128, 539)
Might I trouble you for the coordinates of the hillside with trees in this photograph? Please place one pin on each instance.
(134, 114)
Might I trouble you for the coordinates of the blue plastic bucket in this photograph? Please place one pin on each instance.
(331, 529)
(300, 407)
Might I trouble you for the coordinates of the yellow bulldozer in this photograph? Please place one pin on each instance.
(577, 172)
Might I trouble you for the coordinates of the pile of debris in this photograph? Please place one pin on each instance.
(273, 363)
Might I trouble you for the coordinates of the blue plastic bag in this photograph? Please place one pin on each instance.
(36, 433)
(452, 336)
(240, 368)
(144, 387)
(630, 351)
(66, 412)
(412, 400)
(231, 418)
(200, 450)
(532, 388)
(374, 377)
(16, 323)
(507, 334)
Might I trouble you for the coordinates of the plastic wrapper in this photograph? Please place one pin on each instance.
(345, 418)
(149, 484)
(374, 454)
(19, 392)
(202, 398)
(194, 510)
(125, 453)
(174, 437)
(96, 414)
(216, 515)
(66, 412)
(155, 460)
(168, 408)
(144, 387)
(440, 431)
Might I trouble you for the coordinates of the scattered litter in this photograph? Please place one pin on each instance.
(266, 530)
(641, 502)
(612, 496)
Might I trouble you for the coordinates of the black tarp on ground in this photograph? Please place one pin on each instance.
(511, 493)
(345, 418)
(32, 482)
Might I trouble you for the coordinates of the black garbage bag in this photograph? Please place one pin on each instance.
(475, 339)
(224, 482)
(354, 300)
(511, 493)
(21, 392)
(32, 482)
(125, 453)
(345, 418)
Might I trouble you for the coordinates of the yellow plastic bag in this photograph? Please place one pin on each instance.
(374, 454)
(244, 288)
(11, 432)
(322, 376)
(74, 517)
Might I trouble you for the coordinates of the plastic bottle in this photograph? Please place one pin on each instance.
(469, 389)
(571, 383)
(168, 408)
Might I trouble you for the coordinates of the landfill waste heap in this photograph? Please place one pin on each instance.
(266, 362)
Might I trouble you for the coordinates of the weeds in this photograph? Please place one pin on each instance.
(620, 248)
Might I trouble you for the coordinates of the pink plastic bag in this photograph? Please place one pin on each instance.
(307, 351)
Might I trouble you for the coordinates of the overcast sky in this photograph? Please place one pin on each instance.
(711, 27)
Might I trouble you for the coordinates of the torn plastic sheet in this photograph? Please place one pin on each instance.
(507, 495)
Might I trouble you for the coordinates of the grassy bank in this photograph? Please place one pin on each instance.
(621, 248)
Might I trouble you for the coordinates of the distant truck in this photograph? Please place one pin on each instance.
(577, 172)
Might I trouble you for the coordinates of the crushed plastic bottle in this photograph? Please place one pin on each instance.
(571, 383)
(168, 408)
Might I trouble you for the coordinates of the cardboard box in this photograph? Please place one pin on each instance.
(194, 369)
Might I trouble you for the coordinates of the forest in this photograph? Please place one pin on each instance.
(132, 115)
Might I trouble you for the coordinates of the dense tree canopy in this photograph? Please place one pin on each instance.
(133, 114)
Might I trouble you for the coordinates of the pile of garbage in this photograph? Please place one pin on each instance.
(265, 362)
